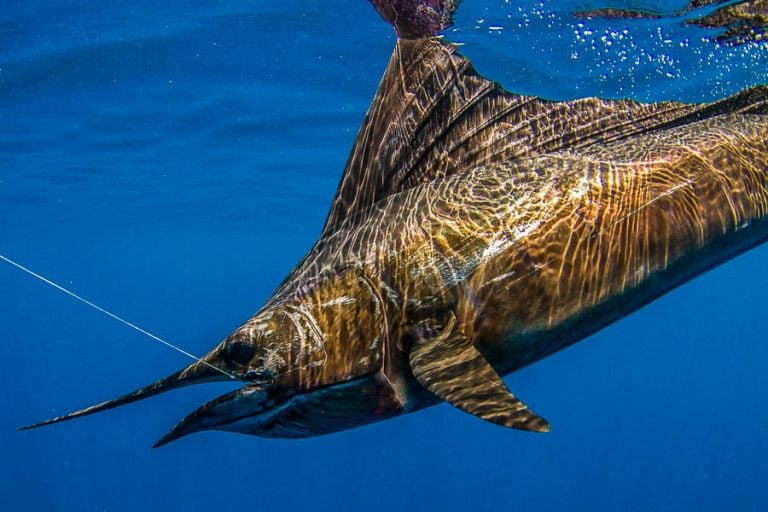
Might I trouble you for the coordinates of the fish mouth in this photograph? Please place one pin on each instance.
(222, 413)
(275, 411)
(226, 411)
(265, 408)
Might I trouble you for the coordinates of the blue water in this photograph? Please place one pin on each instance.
(173, 160)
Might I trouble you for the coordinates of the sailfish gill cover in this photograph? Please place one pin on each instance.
(173, 161)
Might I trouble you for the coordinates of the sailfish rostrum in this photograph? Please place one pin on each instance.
(476, 231)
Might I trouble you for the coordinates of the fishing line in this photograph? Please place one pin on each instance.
(112, 315)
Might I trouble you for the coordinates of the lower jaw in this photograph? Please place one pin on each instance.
(323, 411)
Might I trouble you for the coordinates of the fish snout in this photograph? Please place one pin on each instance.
(198, 372)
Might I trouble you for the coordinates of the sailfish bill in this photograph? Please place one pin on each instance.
(195, 374)
(475, 231)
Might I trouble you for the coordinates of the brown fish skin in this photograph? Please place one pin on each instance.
(529, 254)
(521, 251)
(475, 226)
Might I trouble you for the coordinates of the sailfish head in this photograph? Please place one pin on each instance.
(303, 363)
(233, 359)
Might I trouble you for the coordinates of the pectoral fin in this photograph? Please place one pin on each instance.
(452, 368)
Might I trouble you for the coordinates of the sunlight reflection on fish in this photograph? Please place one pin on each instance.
(476, 231)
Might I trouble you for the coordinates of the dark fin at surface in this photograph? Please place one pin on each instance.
(434, 116)
(453, 369)
(742, 21)
(415, 19)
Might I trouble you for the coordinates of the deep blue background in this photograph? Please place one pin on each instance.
(172, 160)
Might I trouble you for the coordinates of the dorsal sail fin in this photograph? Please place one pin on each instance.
(434, 116)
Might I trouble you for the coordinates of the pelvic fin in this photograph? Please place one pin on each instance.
(452, 368)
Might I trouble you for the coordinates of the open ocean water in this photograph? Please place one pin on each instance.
(171, 161)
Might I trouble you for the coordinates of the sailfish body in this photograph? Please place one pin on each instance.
(476, 231)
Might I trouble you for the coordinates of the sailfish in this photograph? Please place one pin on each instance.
(476, 231)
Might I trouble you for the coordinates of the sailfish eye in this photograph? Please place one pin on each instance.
(240, 352)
